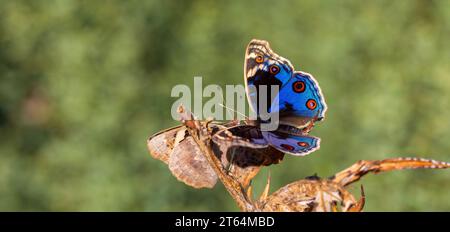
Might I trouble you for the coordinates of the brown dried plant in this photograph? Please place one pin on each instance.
(194, 159)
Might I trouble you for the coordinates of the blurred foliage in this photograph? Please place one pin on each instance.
(84, 83)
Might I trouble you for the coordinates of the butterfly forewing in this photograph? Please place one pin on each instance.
(300, 99)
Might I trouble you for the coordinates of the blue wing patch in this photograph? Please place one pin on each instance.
(300, 97)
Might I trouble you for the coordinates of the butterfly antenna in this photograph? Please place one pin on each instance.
(229, 111)
(228, 108)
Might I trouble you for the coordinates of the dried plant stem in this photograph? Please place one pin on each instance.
(363, 167)
(233, 187)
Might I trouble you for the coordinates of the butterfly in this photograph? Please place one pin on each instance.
(299, 103)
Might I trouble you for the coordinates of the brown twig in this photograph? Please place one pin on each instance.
(362, 167)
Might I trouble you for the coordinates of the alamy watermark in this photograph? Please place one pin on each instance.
(230, 105)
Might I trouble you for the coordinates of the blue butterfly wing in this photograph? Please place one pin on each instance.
(298, 145)
(259, 59)
(300, 100)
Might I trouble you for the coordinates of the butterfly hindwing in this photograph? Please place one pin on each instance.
(301, 98)
(298, 145)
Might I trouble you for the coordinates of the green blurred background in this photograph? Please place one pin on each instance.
(84, 83)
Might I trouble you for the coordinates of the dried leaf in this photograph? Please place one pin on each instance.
(188, 165)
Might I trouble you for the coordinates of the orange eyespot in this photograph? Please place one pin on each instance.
(287, 147)
(298, 86)
(303, 144)
(311, 104)
(273, 69)
(259, 59)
